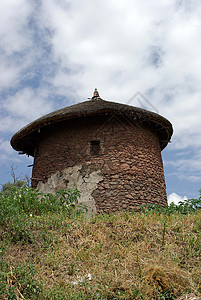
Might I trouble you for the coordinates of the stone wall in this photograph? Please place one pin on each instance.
(127, 172)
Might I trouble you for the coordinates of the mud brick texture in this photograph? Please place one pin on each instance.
(127, 154)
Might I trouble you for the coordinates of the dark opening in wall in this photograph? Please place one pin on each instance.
(95, 148)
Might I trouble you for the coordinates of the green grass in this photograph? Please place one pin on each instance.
(48, 248)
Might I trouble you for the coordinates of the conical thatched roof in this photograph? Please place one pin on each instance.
(24, 139)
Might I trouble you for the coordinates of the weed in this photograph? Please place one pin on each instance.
(21, 204)
(18, 282)
(46, 245)
(184, 207)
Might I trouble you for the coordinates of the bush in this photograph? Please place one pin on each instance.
(17, 206)
(184, 207)
(7, 187)
(25, 200)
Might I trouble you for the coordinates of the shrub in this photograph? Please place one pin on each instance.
(17, 206)
(184, 207)
(7, 187)
(25, 200)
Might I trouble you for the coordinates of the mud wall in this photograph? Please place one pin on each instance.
(123, 171)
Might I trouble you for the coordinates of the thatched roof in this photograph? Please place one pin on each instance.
(24, 140)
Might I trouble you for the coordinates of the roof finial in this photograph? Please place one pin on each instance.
(96, 94)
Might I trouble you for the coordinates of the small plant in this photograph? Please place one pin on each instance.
(19, 282)
(22, 203)
(31, 202)
(50, 250)
(184, 207)
(7, 187)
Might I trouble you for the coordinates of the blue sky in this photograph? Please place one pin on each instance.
(53, 53)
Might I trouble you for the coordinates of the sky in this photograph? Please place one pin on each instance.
(53, 53)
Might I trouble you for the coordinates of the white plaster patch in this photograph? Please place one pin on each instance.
(84, 177)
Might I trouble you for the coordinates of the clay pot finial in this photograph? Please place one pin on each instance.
(96, 94)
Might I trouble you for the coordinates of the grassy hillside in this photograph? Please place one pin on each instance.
(50, 251)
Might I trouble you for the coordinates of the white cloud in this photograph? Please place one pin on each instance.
(176, 198)
(67, 48)
(9, 73)
(8, 158)
(26, 103)
(186, 167)
(14, 39)
(6, 152)
(113, 45)
(23, 107)
(14, 14)
(119, 47)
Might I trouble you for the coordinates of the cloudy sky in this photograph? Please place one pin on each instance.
(53, 53)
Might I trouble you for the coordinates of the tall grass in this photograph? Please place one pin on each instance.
(50, 250)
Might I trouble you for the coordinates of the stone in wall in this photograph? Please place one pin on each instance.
(129, 164)
(86, 179)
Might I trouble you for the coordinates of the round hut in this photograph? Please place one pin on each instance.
(111, 151)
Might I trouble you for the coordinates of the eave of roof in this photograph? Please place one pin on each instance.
(95, 106)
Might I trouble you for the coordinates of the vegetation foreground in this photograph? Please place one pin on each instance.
(50, 250)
